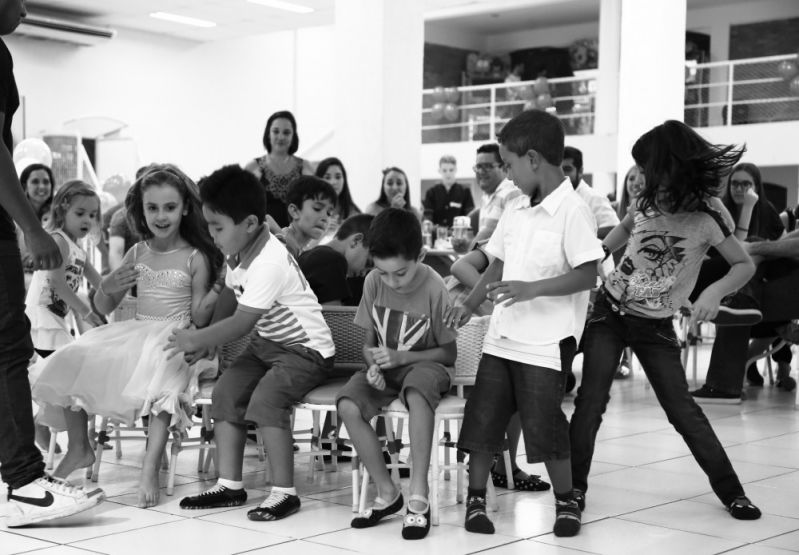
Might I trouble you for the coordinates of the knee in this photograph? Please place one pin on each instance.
(415, 399)
(348, 410)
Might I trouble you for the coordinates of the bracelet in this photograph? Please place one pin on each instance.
(739, 228)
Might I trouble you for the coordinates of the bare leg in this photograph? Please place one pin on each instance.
(421, 434)
(280, 450)
(514, 432)
(79, 451)
(156, 442)
(230, 439)
(560, 472)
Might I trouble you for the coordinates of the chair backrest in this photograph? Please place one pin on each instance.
(470, 349)
(347, 336)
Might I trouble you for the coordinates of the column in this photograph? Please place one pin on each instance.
(378, 91)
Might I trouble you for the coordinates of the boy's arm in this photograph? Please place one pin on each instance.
(619, 235)
(387, 358)
(468, 267)
(581, 278)
(706, 307)
(215, 335)
(456, 316)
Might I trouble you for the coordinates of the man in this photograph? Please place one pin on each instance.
(489, 171)
(33, 496)
(572, 166)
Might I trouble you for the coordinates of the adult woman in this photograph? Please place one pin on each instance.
(37, 181)
(754, 215)
(394, 193)
(332, 170)
(279, 167)
(633, 184)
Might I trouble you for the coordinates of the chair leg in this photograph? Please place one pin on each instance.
(769, 368)
(51, 450)
(447, 438)
(508, 465)
(364, 488)
(356, 482)
(102, 438)
(491, 495)
(460, 456)
(173, 463)
(434, 471)
(392, 451)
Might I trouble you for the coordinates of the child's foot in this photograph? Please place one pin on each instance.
(476, 517)
(521, 481)
(579, 496)
(216, 497)
(743, 509)
(74, 459)
(380, 509)
(275, 507)
(149, 489)
(567, 518)
(416, 524)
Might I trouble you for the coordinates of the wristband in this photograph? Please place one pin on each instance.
(744, 229)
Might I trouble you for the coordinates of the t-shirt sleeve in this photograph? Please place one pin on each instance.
(496, 243)
(442, 334)
(326, 272)
(363, 316)
(580, 243)
(264, 282)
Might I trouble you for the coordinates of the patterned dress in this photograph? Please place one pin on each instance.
(276, 187)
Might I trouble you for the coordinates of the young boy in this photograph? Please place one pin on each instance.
(545, 251)
(447, 199)
(311, 204)
(407, 349)
(290, 350)
(327, 267)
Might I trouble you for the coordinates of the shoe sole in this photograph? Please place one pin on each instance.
(44, 516)
(216, 505)
(255, 517)
(718, 400)
(738, 317)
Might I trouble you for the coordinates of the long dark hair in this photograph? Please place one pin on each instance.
(686, 166)
(193, 228)
(295, 139)
(23, 179)
(345, 204)
(382, 200)
(762, 208)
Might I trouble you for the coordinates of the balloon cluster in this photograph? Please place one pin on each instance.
(444, 104)
(537, 95)
(32, 151)
(789, 71)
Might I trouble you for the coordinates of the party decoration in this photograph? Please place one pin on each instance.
(437, 111)
(526, 92)
(544, 101)
(23, 163)
(793, 86)
(541, 85)
(787, 69)
(451, 94)
(583, 54)
(451, 112)
(439, 95)
(35, 149)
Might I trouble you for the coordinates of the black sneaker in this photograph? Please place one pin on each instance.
(753, 376)
(739, 309)
(706, 394)
(214, 498)
(477, 520)
(275, 507)
(567, 518)
(579, 496)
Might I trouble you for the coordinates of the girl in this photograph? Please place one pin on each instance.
(675, 220)
(394, 193)
(121, 370)
(633, 183)
(332, 170)
(745, 198)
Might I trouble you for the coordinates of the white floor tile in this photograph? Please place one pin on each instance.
(785, 541)
(12, 542)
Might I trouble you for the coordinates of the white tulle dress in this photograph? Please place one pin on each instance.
(120, 370)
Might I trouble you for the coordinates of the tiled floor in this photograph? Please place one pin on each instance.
(647, 496)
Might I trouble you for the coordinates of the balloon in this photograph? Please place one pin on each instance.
(529, 105)
(451, 112)
(526, 92)
(23, 163)
(451, 94)
(439, 95)
(787, 69)
(541, 85)
(437, 111)
(544, 101)
(36, 149)
(793, 86)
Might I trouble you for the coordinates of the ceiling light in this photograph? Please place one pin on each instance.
(174, 18)
(280, 5)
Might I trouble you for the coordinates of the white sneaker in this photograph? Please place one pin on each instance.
(47, 498)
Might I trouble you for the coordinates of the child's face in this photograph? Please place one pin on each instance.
(397, 272)
(81, 216)
(313, 217)
(447, 172)
(394, 184)
(38, 186)
(520, 170)
(163, 210)
(335, 176)
(635, 182)
(229, 237)
(357, 255)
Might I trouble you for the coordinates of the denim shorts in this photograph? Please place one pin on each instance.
(430, 379)
(504, 387)
(265, 381)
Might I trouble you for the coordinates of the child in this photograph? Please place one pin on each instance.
(120, 370)
(327, 267)
(447, 199)
(675, 220)
(407, 348)
(545, 249)
(332, 170)
(311, 202)
(394, 193)
(290, 350)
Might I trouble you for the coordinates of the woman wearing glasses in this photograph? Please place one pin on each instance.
(754, 215)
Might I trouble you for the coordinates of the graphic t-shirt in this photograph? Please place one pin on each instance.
(660, 265)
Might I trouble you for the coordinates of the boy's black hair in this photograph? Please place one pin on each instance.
(490, 148)
(575, 155)
(309, 187)
(688, 168)
(534, 130)
(360, 223)
(235, 192)
(395, 232)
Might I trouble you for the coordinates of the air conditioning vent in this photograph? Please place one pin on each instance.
(60, 30)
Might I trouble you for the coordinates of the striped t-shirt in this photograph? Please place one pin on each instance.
(268, 281)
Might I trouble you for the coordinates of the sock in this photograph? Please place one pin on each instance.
(567, 515)
(476, 518)
(230, 484)
(565, 496)
(284, 491)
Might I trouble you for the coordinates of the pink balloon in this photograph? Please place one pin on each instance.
(541, 85)
(793, 86)
(544, 101)
(451, 112)
(787, 69)
(437, 111)
(439, 95)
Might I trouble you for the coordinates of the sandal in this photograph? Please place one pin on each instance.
(415, 526)
(370, 517)
(531, 483)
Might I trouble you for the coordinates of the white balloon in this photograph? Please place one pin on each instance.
(23, 163)
(36, 149)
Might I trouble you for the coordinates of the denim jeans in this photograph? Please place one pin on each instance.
(20, 460)
(655, 344)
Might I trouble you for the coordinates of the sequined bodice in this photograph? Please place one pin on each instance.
(164, 284)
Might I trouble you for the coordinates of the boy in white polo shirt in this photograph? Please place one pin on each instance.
(290, 350)
(545, 249)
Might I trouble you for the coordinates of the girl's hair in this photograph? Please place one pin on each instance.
(193, 227)
(345, 204)
(63, 200)
(681, 168)
(624, 199)
(382, 200)
(23, 179)
(761, 210)
(295, 139)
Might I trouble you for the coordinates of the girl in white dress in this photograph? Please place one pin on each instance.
(121, 370)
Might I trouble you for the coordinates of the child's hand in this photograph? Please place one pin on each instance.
(386, 358)
(750, 197)
(705, 308)
(205, 352)
(93, 319)
(121, 279)
(511, 292)
(180, 341)
(456, 316)
(375, 378)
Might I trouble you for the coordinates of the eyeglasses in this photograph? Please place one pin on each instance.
(741, 185)
(485, 167)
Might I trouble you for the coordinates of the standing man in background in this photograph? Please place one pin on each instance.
(572, 166)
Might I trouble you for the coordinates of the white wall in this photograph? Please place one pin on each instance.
(560, 36)
(447, 36)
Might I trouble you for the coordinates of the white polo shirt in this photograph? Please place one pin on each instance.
(544, 241)
(599, 204)
(493, 205)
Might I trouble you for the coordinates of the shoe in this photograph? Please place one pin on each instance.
(706, 394)
(571, 381)
(214, 498)
(739, 309)
(743, 509)
(567, 518)
(275, 507)
(47, 498)
(784, 380)
(623, 371)
(753, 376)
(532, 483)
(477, 520)
(579, 496)
(371, 517)
(415, 526)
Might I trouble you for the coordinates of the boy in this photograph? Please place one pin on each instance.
(290, 350)
(33, 495)
(311, 203)
(407, 348)
(447, 199)
(545, 250)
(327, 267)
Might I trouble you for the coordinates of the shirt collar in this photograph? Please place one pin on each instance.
(245, 256)
(553, 200)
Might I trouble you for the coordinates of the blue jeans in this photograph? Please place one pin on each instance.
(20, 460)
(655, 343)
